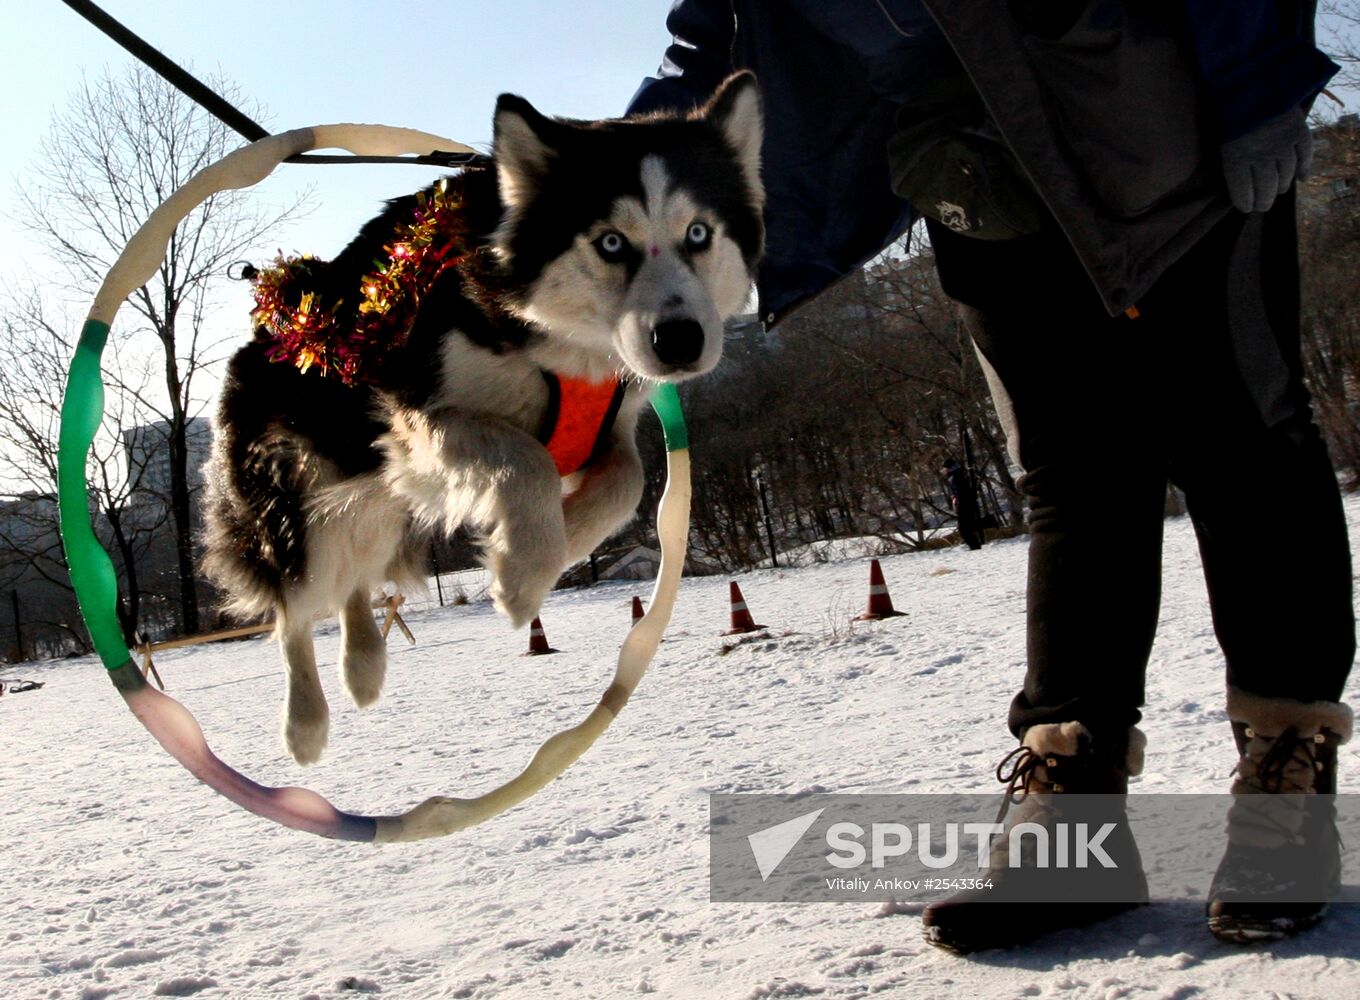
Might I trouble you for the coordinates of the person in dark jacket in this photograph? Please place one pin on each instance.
(1119, 235)
(963, 499)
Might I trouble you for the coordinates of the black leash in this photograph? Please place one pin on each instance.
(226, 112)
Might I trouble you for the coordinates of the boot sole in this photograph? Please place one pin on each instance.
(1238, 930)
(961, 944)
(934, 936)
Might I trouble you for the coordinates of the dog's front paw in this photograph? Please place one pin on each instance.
(521, 585)
(305, 732)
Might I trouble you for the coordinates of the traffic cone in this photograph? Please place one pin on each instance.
(741, 618)
(538, 642)
(880, 604)
(637, 610)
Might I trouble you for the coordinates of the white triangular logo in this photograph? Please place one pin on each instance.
(772, 845)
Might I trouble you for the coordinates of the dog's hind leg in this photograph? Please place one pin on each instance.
(306, 716)
(363, 653)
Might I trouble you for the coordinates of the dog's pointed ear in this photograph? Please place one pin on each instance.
(734, 109)
(522, 147)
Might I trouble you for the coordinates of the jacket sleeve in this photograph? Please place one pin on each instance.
(1256, 58)
(698, 59)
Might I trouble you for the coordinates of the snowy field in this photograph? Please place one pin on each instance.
(120, 876)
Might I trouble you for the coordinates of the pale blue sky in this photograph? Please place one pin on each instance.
(417, 63)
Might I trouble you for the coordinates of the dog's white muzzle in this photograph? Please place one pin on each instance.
(671, 329)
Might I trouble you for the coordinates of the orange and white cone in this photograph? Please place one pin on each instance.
(880, 604)
(742, 621)
(637, 610)
(538, 641)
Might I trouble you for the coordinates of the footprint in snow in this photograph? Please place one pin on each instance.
(357, 984)
(133, 956)
(184, 986)
(536, 841)
(850, 970)
(555, 950)
(584, 834)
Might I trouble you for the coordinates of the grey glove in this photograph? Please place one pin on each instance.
(1260, 166)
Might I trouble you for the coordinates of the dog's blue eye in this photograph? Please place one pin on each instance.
(698, 237)
(611, 246)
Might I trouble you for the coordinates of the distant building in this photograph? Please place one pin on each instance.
(35, 604)
(148, 457)
(27, 518)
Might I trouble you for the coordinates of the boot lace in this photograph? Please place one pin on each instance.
(1278, 769)
(1288, 767)
(1023, 763)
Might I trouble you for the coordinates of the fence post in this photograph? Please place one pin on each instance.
(438, 584)
(18, 629)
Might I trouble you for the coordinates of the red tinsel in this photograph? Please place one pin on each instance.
(352, 340)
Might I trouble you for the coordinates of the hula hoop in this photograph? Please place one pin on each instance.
(96, 583)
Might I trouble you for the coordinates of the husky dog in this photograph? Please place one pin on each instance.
(597, 259)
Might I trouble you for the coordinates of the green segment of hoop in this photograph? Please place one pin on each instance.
(92, 572)
(666, 403)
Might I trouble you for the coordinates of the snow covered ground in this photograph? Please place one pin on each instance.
(121, 876)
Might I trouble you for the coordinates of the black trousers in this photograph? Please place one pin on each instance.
(1203, 389)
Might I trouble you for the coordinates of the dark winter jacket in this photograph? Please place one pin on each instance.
(1115, 109)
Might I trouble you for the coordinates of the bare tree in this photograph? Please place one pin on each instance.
(1339, 37)
(123, 145)
(848, 412)
(1329, 248)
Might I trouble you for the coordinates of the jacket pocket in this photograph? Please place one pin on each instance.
(965, 178)
(1120, 84)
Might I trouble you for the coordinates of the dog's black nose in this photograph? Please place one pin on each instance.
(678, 342)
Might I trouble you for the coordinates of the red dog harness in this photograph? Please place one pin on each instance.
(579, 420)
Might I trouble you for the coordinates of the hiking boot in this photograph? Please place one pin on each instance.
(1283, 860)
(1061, 781)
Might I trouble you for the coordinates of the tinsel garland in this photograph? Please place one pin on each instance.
(352, 337)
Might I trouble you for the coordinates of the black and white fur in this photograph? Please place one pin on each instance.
(602, 247)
